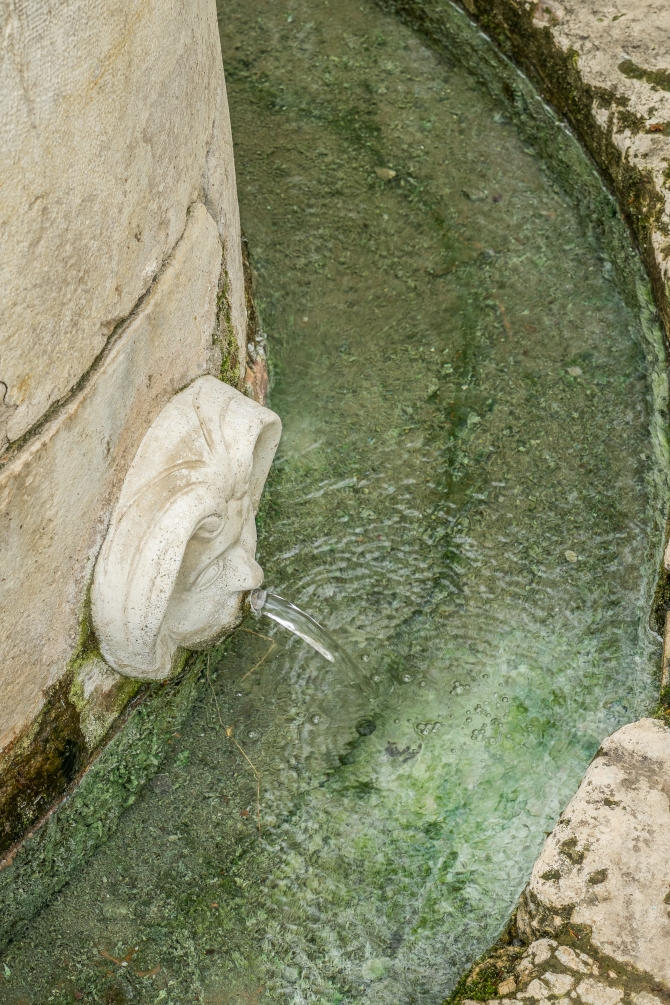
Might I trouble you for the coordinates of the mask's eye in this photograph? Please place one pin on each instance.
(209, 575)
(209, 527)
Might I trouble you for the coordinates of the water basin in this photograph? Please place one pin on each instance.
(464, 496)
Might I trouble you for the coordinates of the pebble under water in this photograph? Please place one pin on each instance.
(463, 495)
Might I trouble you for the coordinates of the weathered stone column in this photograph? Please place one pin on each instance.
(121, 282)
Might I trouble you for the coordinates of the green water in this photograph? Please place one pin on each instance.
(463, 493)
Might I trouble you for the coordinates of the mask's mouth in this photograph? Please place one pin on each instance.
(256, 600)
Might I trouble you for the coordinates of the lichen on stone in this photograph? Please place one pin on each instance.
(657, 78)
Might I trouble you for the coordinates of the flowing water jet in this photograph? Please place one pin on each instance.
(290, 617)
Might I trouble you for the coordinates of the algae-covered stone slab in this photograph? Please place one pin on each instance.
(60, 846)
(606, 864)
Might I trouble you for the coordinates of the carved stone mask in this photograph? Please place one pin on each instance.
(180, 550)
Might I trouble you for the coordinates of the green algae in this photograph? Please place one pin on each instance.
(499, 963)
(482, 982)
(100, 697)
(98, 694)
(657, 78)
(230, 370)
(439, 463)
(41, 764)
(50, 856)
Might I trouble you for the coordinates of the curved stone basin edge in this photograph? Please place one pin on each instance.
(606, 74)
(593, 923)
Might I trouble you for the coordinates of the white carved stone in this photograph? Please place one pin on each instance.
(180, 551)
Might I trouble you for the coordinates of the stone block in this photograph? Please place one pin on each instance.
(606, 863)
(220, 190)
(57, 493)
(113, 121)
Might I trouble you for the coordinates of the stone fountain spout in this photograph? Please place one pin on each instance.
(180, 552)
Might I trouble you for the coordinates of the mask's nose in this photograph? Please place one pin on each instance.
(244, 572)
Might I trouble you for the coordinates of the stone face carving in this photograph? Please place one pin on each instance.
(180, 550)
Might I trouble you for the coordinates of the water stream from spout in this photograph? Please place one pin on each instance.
(305, 627)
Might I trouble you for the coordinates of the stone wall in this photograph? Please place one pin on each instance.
(121, 279)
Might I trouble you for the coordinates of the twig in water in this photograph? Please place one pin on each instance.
(229, 733)
(267, 639)
(505, 319)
